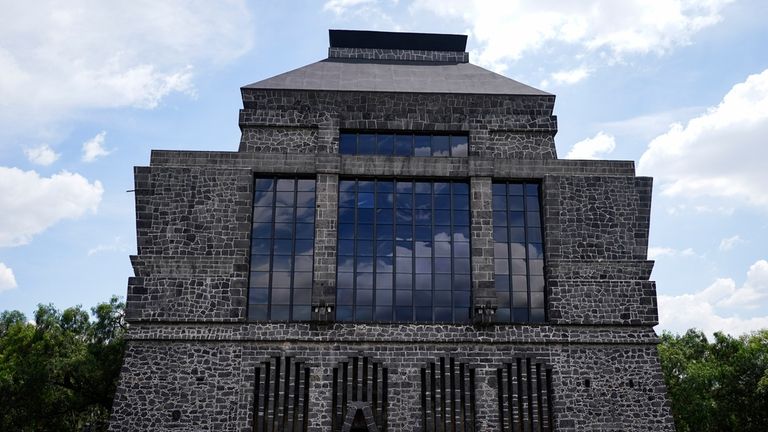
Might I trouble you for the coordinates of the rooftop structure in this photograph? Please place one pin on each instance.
(394, 246)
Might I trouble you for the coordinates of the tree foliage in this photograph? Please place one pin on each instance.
(60, 372)
(717, 386)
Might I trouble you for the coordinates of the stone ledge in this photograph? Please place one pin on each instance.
(393, 333)
(391, 165)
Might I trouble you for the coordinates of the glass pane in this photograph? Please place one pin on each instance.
(364, 313)
(440, 146)
(347, 199)
(302, 280)
(344, 297)
(364, 297)
(383, 313)
(259, 262)
(403, 281)
(459, 146)
(461, 266)
(281, 263)
(343, 314)
(385, 144)
(383, 297)
(404, 145)
(403, 298)
(500, 250)
(302, 263)
(257, 313)
(515, 203)
(305, 185)
(422, 298)
(304, 247)
(258, 296)
(515, 189)
(443, 314)
(403, 314)
(347, 143)
(460, 188)
(281, 296)
(305, 199)
(364, 248)
(365, 200)
(284, 214)
(424, 314)
(264, 184)
(364, 280)
(305, 231)
(461, 282)
(421, 145)
(366, 144)
(443, 283)
(346, 280)
(302, 313)
(281, 313)
(261, 230)
(305, 215)
(262, 214)
(442, 265)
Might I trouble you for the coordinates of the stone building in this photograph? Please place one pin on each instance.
(395, 246)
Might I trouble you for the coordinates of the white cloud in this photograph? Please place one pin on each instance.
(649, 126)
(29, 204)
(593, 148)
(700, 209)
(60, 58)
(506, 30)
(654, 252)
(722, 306)
(729, 243)
(41, 155)
(117, 245)
(719, 154)
(341, 6)
(7, 279)
(571, 76)
(94, 148)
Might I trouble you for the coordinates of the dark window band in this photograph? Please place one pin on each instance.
(395, 144)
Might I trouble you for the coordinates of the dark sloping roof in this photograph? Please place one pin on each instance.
(409, 77)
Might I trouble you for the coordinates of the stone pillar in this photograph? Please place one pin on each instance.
(487, 395)
(483, 292)
(326, 214)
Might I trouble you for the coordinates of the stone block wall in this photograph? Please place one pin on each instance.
(191, 359)
(210, 386)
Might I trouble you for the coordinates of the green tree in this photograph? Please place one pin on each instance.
(60, 372)
(717, 386)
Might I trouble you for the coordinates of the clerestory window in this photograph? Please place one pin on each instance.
(403, 144)
(403, 251)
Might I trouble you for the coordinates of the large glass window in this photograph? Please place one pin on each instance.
(519, 253)
(403, 251)
(400, 144)
(282, 242)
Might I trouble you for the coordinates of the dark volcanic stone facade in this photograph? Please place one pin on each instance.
(195, 363)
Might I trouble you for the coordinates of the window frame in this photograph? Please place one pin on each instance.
(461, 136)
(352, 238)
(272, 239)
(526, 227)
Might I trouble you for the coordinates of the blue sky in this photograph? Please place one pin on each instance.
(87, 88)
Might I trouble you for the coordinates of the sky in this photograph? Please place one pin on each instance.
(88, 88)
